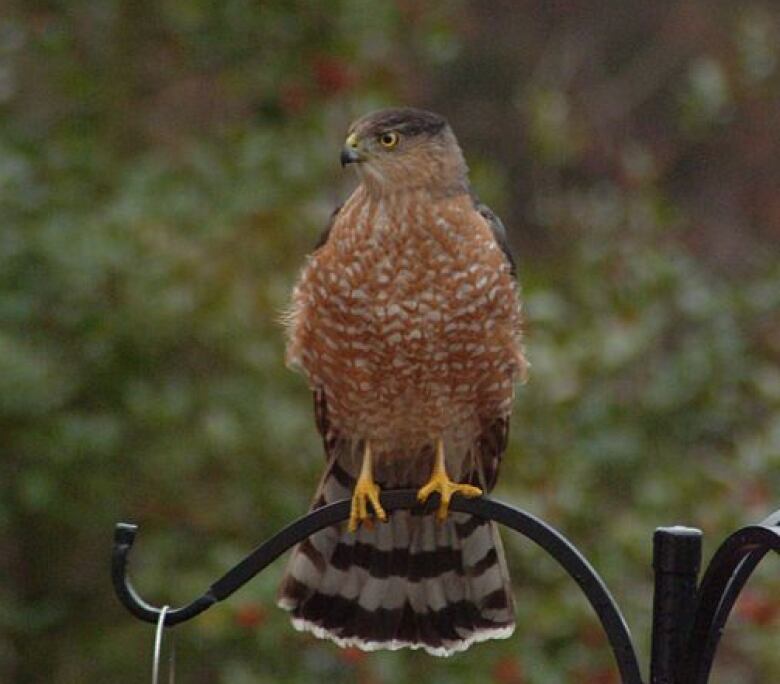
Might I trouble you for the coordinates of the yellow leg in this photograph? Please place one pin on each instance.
(440, 482)
(366, 490)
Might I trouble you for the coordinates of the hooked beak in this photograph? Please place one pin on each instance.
(350, 153)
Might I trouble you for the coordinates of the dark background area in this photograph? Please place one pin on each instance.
(164, 168)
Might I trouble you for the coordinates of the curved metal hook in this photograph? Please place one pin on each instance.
(535, 529)
(725, 577)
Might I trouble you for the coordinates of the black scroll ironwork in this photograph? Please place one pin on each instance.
(728, 572)
(687, 621)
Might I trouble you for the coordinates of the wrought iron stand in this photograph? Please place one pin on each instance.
(688, 618)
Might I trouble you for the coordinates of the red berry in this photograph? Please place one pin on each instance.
(332, 75)
(508, 671)
(250, 615)
(756, 607)
(352, 655)
(293, 98)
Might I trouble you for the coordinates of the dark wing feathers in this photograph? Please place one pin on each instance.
(491, 446)
(325, 234)
(499, 232)
(492, 442)
(330, 438)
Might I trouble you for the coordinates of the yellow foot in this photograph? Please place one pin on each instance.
(440, 482)
(366, 491)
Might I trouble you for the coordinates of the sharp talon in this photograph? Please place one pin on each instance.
(373, 497)
(366, 492)
(380, 512)
(469, 491)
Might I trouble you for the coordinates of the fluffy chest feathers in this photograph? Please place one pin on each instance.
(408, 318)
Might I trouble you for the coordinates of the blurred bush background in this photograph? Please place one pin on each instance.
(164, 168)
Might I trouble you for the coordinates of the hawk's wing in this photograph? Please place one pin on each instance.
(499, 232)
(493, 440)
(325, 234)
(329, 437)
(490, 448)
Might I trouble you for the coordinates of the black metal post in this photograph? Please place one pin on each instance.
(676, 562)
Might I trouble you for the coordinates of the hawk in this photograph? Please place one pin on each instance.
(406, 323)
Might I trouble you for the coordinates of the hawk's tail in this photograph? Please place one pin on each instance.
(411, 582)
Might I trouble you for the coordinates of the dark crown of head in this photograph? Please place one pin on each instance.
(406, 121)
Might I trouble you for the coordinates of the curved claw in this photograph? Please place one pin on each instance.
(446, 489)
(365, 492)
(440, 482)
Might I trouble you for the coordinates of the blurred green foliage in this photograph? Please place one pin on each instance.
(164, 168)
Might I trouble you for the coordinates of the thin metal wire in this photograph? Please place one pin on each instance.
(158, 644)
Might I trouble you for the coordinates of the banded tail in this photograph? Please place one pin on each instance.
(410, 582)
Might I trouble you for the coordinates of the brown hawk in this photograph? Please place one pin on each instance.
(406, 322)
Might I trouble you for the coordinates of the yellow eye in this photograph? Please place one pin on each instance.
(388, 140)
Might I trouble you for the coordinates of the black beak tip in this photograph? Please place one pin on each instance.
(348, 156)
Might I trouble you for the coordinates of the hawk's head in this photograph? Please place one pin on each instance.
(405, 148)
